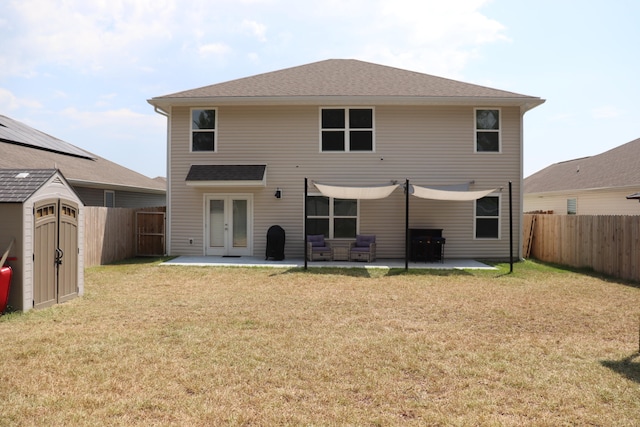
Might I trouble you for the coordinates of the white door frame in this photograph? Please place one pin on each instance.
(228, 248)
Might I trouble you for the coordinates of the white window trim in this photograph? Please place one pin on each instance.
(113, 193)
(215, 130)
(475, 130)
(347, 141)
(499, 217)
(331, 216)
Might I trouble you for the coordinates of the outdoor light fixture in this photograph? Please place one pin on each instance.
(278, 194)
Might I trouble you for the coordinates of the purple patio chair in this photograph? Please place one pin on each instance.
(364, 248)
(318, 249)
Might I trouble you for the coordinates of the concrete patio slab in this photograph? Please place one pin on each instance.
(246, 261)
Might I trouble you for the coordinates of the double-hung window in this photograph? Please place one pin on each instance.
(203, 129)
(346, 129)
(487, 217)
(335, 218)
(487, 130)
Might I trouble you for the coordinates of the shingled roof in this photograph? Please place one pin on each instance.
(618, 167)
(17, 185)
(24, 147)
(344, 78)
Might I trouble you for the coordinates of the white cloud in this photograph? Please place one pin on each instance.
(90, 36)
(441, 37)
(10, 102)
(256, 29)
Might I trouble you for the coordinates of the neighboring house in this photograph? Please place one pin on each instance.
(596, 185)
(239, 153)
(96, 180)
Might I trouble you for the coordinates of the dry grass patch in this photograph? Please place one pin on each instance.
(168, 345)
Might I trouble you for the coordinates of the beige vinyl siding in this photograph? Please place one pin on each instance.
(589, 202)
(428, 145)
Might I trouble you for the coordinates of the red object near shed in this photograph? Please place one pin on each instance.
(5, 282)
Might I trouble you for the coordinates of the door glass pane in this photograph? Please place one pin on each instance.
(216, 223)
(240, 224)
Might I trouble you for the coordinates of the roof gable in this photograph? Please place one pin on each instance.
(343, 78)
(618, 167)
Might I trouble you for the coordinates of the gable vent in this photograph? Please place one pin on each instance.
(57, 180)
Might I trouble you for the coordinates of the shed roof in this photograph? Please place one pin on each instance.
(17, 185)
(618, 167)
(344, 78)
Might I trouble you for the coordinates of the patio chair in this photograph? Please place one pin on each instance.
(318, 249)
(363, 249)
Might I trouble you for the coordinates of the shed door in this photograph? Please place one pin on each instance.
(55, 252)
(68, 245)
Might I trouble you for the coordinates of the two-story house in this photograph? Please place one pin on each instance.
(239, 153)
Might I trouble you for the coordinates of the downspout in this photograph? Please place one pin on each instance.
(164, 113)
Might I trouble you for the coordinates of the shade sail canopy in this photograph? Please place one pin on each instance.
(363, 192)
(227, 176)
(455, 195)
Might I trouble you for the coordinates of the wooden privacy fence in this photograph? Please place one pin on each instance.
(113, 234)
(607, 244)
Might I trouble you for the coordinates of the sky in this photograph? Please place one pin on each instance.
(83, 70)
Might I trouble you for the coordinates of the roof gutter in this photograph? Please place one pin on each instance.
(525, 103)
(110, 186)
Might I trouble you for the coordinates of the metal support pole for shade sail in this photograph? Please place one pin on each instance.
(510, 229)
(406, 225)
(304, 226)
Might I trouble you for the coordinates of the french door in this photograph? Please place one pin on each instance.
(228, 225)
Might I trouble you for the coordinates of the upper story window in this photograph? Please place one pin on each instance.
(487, 217)
(487, 130)
(346, 129)
(203, 130)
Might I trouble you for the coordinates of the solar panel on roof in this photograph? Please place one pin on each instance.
(12, 131)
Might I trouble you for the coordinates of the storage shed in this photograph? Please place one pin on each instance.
(42, 212)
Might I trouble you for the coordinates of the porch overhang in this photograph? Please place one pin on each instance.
(227, 176)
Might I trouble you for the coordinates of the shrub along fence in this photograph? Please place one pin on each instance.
(111, 234)
(608, 244)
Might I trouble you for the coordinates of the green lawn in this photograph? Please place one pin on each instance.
(167, 345)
